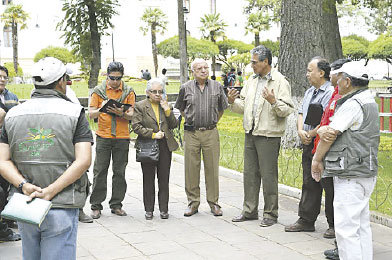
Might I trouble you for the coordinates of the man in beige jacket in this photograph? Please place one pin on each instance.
(265, 102)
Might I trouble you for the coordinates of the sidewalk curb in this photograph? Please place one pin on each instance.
(375, 217)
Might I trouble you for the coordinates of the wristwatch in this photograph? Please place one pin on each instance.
(20, 186)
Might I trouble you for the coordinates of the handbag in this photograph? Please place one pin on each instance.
(147, 150)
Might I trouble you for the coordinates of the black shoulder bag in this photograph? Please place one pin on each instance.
(147, 149)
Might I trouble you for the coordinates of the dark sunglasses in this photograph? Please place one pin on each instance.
(114, 77)
(156, 91)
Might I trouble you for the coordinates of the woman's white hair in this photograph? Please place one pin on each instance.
(155, 81)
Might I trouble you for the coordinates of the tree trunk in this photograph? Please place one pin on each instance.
(309, 28)
(257, 39)
(95, 45)
(213, 6)
(182, 43)
(14, 27)
(212, 36)
(154, 49)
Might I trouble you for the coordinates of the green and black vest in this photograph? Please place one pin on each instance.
(40, 134)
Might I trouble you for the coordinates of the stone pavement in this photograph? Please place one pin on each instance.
(201, 236)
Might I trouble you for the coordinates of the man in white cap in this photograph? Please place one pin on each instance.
(348, 153)
(45, 150)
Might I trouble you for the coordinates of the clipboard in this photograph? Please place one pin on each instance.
(113, 103)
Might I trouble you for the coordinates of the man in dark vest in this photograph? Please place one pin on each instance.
(112, 139)
(45, 150)
(349, 147)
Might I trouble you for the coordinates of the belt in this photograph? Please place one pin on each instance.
(192, 128)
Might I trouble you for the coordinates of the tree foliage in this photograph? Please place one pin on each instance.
(355, 47)
(238, 62)
(15, 16)
(196, 48)
(84, 23)
(212, 28)
(381, 48)
(260, 15)
(273, 46)
(11, 70)
(155, 21)
(229, 47)
(60, 53)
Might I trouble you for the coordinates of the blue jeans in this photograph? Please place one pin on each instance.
(55, 239)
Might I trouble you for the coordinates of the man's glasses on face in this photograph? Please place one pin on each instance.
(160, 92)
(115, 77)
(3, 77)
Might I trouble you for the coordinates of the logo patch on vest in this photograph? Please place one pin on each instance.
(39, 140)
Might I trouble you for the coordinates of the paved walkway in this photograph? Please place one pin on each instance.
(201, 236)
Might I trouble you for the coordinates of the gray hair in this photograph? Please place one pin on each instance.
(196, 61)
(262, 53)
(155, 81)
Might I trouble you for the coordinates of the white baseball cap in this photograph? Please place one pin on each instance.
(353, 69)
(49, 69)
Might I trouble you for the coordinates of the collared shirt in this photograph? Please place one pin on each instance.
(314, 95)
(201, 108)
(105, 120)
(260, 87)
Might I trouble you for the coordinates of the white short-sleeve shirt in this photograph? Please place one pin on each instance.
(350, 114)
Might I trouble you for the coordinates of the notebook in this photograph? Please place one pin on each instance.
(19, 209)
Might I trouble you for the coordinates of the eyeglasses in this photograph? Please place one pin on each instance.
(201, 68)
(156, 91)
(114, 77)
(4, 77)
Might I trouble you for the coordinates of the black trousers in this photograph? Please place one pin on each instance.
(310, 204)
(162, 170)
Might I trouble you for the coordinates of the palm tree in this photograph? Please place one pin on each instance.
(155, 21)
(212, 28)
(257, 22)
(12, 17)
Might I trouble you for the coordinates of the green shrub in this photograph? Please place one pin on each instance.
(60, 53)
(11, 70)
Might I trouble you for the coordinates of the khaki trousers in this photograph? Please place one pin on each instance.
(206, 142)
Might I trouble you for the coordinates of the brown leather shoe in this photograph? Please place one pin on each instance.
(242, 218)
(329, 233)
(300, 226)
(119, 212)
(190, 211)
(216, 210)
(95, 213)
(267, 222)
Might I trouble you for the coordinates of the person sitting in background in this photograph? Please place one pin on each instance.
(154, 118)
